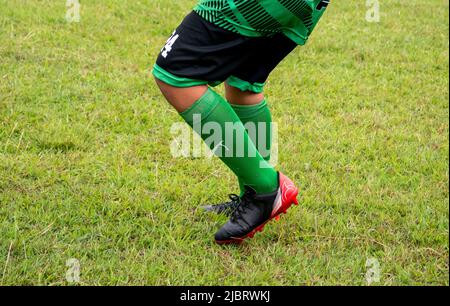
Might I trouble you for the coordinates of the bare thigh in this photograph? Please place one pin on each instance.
(238, 97)
(181, 98)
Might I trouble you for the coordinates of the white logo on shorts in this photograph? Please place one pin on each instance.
(168, 46)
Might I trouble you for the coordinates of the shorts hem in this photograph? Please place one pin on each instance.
(244, 85)
(176, 81)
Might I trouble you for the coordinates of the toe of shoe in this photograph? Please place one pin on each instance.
(231, 231)
(226, 232)
(222, 235)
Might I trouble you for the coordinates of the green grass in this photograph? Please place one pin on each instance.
(86, 170)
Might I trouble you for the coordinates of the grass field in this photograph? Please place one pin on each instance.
(86, 170)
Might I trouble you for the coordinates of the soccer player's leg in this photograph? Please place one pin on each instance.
(252, 108)
(244, 91)
(267, 192)
(201, 105)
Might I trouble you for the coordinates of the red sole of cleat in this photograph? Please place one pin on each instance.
(261, 227)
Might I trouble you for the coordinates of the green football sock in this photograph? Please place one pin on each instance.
(216, 122)
(258, 121)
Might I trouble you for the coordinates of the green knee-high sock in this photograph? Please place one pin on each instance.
(258, 121)
(216, 122)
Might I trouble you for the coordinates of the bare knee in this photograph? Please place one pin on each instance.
(181, 98)
(236, 96)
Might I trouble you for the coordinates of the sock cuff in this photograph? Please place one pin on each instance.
(249, 111)
(203, 106)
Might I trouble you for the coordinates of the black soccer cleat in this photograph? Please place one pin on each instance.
(226, 208)
(255, 210)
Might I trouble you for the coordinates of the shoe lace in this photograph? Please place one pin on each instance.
(242, 206)
(232, 205)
